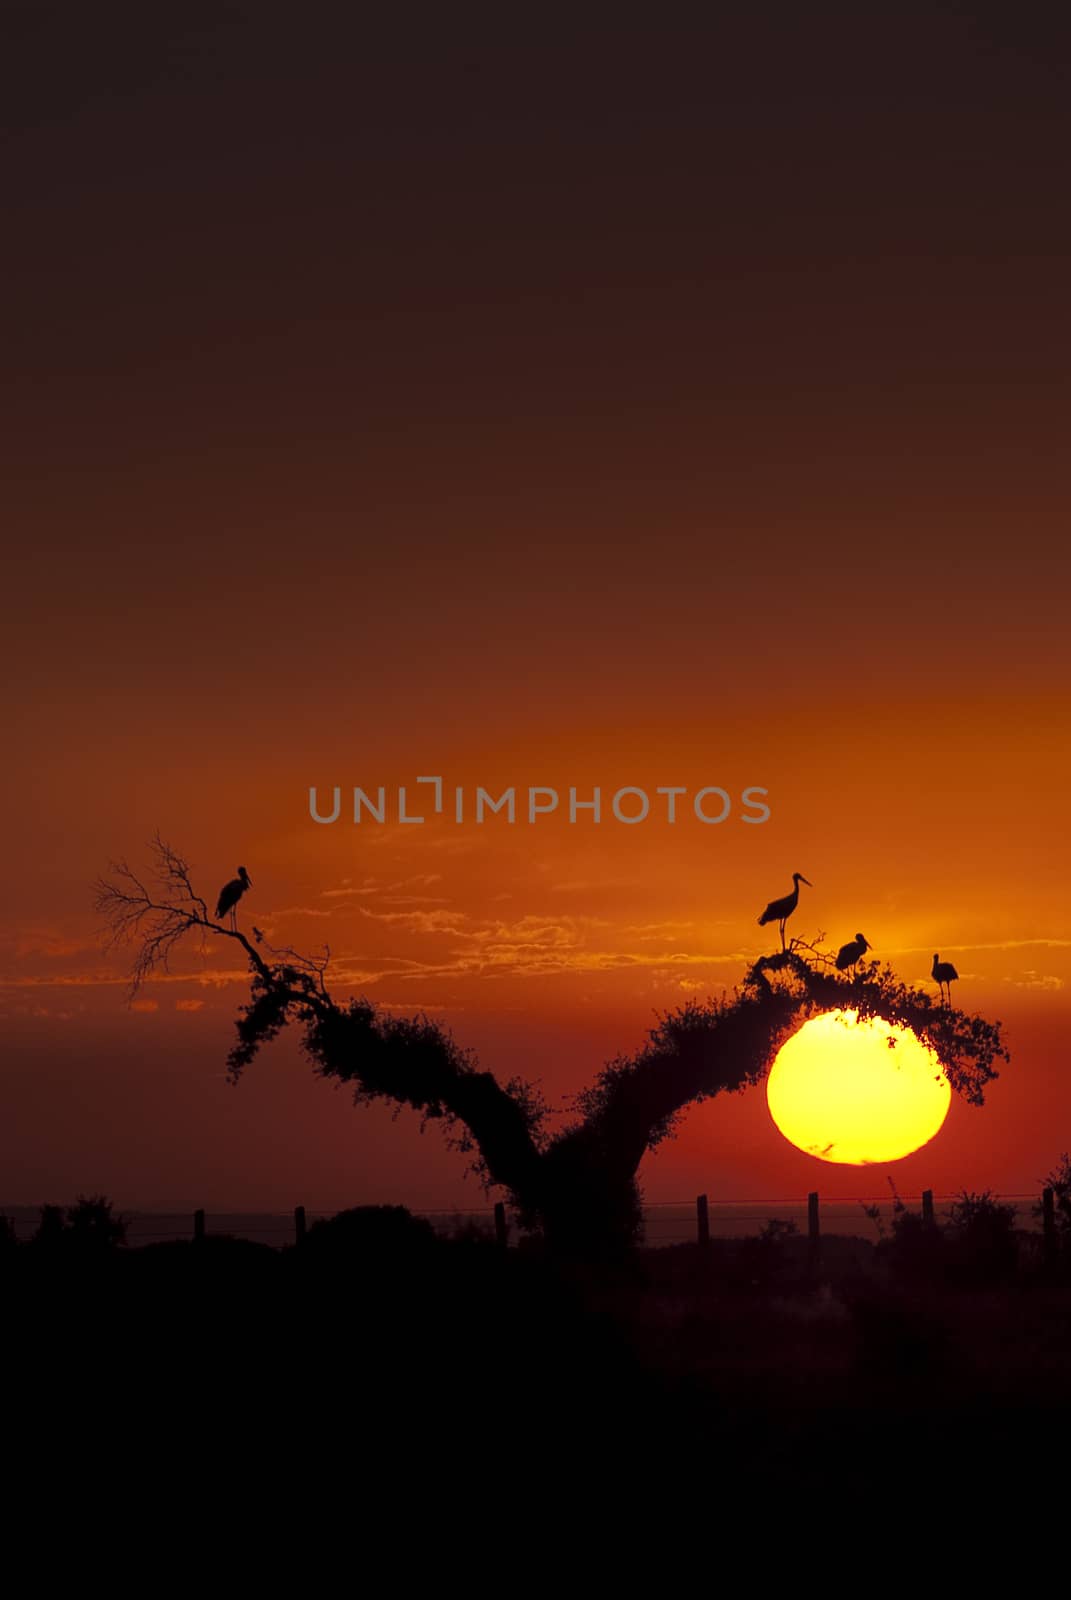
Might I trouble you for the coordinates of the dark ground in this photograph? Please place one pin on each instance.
(742, 1364)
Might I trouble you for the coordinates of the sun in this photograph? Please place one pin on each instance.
(840, 1091)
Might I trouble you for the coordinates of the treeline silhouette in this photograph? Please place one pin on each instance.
(376, 1323)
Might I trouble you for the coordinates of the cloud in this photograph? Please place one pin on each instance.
(298, 911)
(45, 942)
(189, 1005)
(373, 886)
(416, 900)
(1000, 944)
(216, 978)
(1038, 980)
(419, 921)
(593, 885)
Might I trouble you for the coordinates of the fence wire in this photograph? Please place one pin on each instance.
(666, 1222)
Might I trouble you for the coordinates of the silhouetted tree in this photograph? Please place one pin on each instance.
(51, 1228)
(93, 1224)
(89, 1226)
(578, 1185)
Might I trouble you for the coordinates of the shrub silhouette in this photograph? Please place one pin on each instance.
(1059, 1181)
(372, 1233)
(982, 1235)
(88, 1227)
(913, 1248)
(579, 1185)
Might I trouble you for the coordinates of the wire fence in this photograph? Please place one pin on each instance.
(668, 1222)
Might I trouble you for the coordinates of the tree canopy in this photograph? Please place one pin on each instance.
(578, 1184)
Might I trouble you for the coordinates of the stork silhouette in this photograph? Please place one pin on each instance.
(230, 895)
(850, 953)
(779, 911)
(943, 974)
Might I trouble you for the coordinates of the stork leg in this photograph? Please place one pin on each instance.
(782, 928)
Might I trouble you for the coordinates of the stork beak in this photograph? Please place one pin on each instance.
(249, 880)
(807, 881)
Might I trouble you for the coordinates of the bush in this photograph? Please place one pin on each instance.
(376, 1232)
(88, 1227)
(1059, 1181)
(913, 1248)
(982, 1233)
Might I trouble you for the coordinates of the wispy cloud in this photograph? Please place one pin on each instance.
(998, 944)
(1038, 980)
(419, 921)
(52, 945)
(374, 886)
(593, 885)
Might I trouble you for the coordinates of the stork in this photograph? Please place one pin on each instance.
(779, 911)
(230, 895)
(850, 953)
(943, 973)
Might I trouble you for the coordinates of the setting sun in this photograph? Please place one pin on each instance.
(839, 1090)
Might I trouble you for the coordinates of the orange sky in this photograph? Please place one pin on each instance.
(683, 408)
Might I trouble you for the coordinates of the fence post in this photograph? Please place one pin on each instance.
(702, 1220)
(813, 1235)
(299, 1224)
(928, 1220)
(199, 1226)
(501, 1226)
(1048, 1225)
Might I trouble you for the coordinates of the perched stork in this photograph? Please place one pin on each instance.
(943, 973)
(230, 895)
(850, 953)
(779, 911)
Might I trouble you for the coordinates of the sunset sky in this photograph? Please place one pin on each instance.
(558, 398)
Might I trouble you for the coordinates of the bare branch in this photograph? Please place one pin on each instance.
(156, 920)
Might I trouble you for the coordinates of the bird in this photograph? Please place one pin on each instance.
(943, 973)
(780, 910)
(850, 953)
(230, 895)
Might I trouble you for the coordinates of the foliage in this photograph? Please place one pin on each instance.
(88, 1227)
(913, 1246)
(371, 1231)
(1059, 1181)
(766, 1255)
(983, 1236)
